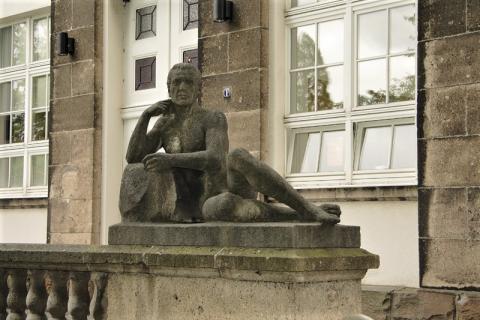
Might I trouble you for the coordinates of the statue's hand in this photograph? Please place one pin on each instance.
(158, 108)
(158, 162)
(331, 208)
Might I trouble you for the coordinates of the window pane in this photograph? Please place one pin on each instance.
(145, 70)
(332, 152)
(40, 39)
(330, 88)
(372, 34)
(5, 47)
(146, 25)
(302, 92)
(190, 14)
(4, 129)
(38, 125)
(402, 28)
(299, 146)
(375, 148)
(404, 154)
(16, 172)
(303, 46)
(330, 42)
(5, 91)
(18, 120)
(19, 43)
(3, 172)
(37, 177)
(39, 92)
(18, 92)
(372, 82)
(402, 78)
(311, 154)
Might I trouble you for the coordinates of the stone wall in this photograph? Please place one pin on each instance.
(75, 124)
(235, 54)
(449, 143)
(399, 303)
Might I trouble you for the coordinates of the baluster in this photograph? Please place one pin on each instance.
(96, 289)
(56, 285)
(3, 295)
(36, 296)
(78, 298)
(17, 293)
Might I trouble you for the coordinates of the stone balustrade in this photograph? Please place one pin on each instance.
(179, 282)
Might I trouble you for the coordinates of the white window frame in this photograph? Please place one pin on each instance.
(351, 116)
(27, 148)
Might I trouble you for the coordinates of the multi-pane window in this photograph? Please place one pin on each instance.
(24, 107)
(350, 117)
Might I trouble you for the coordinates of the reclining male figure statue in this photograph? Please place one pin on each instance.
(211, 183)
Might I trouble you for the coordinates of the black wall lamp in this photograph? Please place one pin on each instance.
(222, 10)
(66, 45)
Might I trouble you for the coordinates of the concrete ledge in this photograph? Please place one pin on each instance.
(248, 235)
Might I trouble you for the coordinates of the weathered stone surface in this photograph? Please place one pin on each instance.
(245, 91)
(473, 15)
(416, 304)
(70, 238)
(84, 46)
(468, 306)
(84, 13)
(62, 17)
(62, 81)
(450, 263)
(246, 15)
(473, 109)
(244, 129)
(376, 301)
(444, 213)
(219, 299)
(473, 213)
(72, 113)
(441, 169)
(70, 216)
(443, 111)
(244, 50)
(214, 52)
(83, 75)
(261, 235)
(82, 142)
(65, 181)
(451, 61)
(440, 18)
(60, 148)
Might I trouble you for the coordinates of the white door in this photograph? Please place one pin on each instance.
(157, 35)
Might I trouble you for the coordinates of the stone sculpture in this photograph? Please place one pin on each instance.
(211, 183)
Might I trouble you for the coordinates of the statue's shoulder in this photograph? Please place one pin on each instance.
(213, 118)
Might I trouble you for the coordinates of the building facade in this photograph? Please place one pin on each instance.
(371, 104)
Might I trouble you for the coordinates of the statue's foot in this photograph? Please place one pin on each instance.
(326, 213)
(186, 214)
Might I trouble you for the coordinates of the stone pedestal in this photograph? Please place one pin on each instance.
(241, 271)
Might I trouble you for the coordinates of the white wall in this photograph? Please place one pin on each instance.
(23, 226)
(13, 7)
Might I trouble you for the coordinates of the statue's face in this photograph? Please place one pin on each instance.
(183, 88)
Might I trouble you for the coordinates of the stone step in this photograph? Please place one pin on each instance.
(228, 234)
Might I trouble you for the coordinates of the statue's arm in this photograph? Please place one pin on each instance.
(213, 157)
(142, 143)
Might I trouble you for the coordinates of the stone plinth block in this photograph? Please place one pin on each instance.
(226, 234)
(154, 282)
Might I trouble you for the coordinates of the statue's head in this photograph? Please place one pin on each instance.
(183, 84)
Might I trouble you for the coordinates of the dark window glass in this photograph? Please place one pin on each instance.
(145, 73)
(191, 56)
(190, 14)
(146, 23)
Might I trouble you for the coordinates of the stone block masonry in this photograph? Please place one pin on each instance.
(448, 145)
(235, 54)
(75, 131)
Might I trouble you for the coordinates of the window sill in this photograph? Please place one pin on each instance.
(24, 203)
(384, 193)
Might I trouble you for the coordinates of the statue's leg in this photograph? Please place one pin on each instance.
(228, 206)
(267, 181)
(133, 188)
(189, 190)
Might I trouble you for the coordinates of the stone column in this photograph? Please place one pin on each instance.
(449, 143)
(235, 54)
(75, 124)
